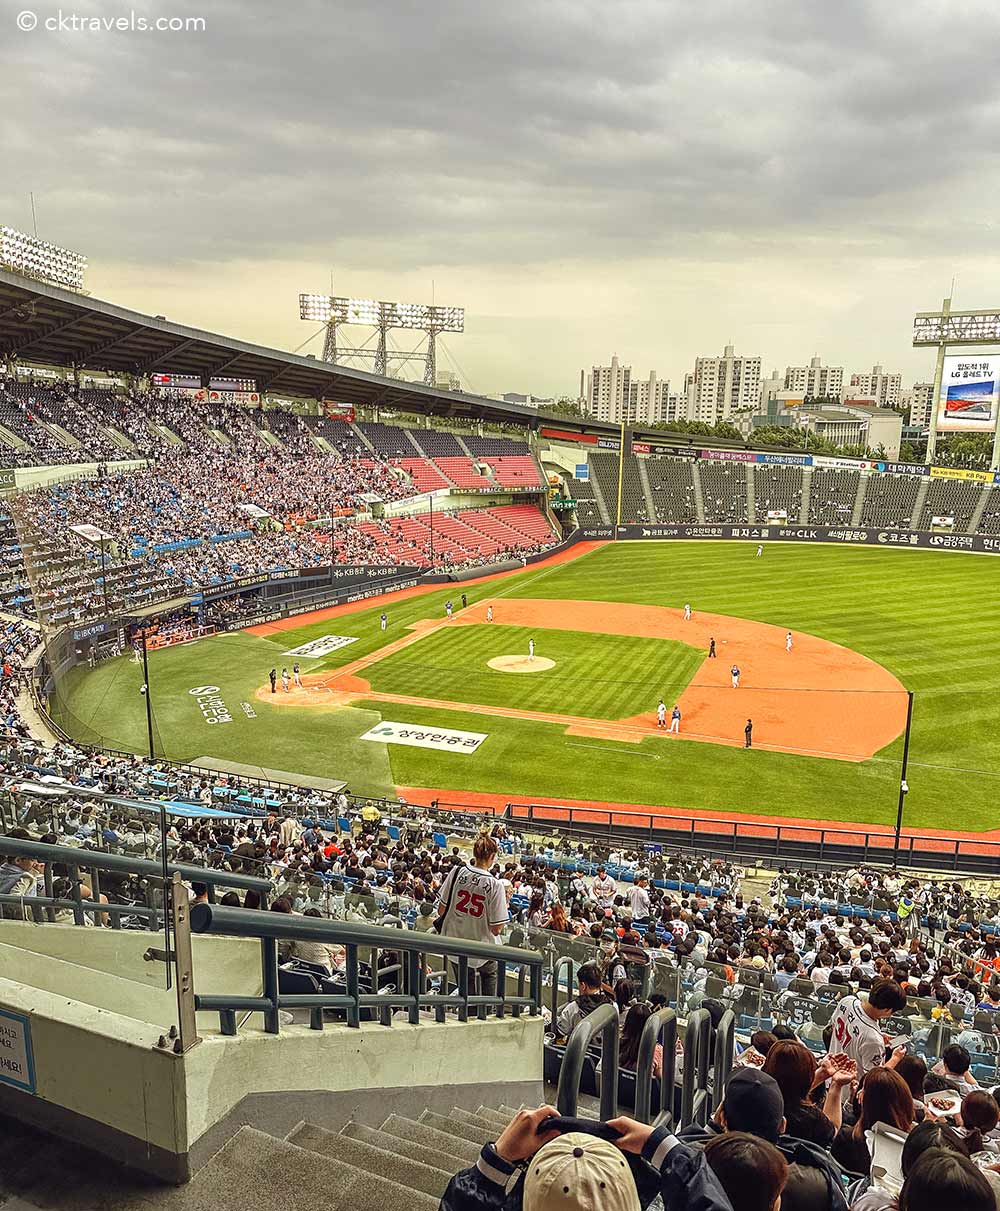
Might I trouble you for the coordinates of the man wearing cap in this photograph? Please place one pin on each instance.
(579, 1172)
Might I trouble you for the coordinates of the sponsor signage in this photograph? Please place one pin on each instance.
(843, 464)
(210, 703)
(442, 739)
(902, 468)
(17, 1059)
(751, 456)
(968, 400)
(844, 535)
(317, 648)
(730, 456)
(981, 477)
(650, 447)
(7, 479)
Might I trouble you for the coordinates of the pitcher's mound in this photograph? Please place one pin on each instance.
(521, 664)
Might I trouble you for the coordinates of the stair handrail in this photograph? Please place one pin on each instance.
(603, 1021)
(660, 1027)
(270, 928)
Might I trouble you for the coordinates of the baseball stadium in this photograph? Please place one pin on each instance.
(576, 766)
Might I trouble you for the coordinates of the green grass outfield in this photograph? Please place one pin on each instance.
(599, 676)
(932, 618)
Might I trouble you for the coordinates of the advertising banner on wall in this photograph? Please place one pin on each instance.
(968, 402)
(870, 536)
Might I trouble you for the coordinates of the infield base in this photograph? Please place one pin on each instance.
(521, 664)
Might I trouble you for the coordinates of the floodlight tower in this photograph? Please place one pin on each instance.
(35, 258)
(440, 319)
(383, 317)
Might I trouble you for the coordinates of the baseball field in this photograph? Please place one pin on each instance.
(827, 642)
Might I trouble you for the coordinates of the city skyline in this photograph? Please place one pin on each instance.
(572, 192)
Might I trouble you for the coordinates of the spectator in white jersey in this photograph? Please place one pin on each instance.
(856, 1030)
(638, 898)
(472, 904)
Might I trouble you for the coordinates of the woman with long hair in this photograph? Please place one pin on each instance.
(793, 1067)
(884, 1097)
(557, 921)
(980, 1115)
(631, 1034)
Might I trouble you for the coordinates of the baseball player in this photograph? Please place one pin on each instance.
(489, 613)
(748, 734)
(675, 720)
(711, 649)
(273, 677)
(661, 714)
(284, 680)
(687, 612)
(297, 675)
(383, 621)
(734, 672)
(760, 551)
(788, 641)
(531, 649)
(465, 601)
(448, 608)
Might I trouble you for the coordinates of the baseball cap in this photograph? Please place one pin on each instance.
(753, 1103)
(578, 1172)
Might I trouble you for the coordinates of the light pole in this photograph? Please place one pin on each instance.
(903, 787)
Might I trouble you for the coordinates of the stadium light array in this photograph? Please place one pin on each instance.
(324, 309)
(41, 260)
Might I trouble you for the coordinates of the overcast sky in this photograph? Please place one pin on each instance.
(643, 177)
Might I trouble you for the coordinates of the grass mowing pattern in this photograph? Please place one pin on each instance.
(932, 618)
(599, 676)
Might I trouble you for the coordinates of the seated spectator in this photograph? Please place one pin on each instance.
(761, 1042)
(955, 1065)
(631, 1035)
(943, 1179)
(796, 1072)
(979, 1117)
(591, 995)
(883, 1097)
(923, 1138)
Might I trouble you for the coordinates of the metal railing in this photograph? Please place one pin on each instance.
(602, 1022)
(660, 1028)
(346, 994)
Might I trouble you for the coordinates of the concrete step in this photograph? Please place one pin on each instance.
(390, 1165)
(497, 1118)
(467, 1118)
(464, 1151)
(273, 1173)
(443, 1122)
(510, 1111)
(433, 1158)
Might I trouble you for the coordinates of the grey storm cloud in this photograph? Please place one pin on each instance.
(480, 133)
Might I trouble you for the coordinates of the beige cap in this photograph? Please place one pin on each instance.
(578, 1172)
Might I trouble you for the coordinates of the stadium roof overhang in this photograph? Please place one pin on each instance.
(53, 327)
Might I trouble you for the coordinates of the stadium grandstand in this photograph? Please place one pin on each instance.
(701, 977)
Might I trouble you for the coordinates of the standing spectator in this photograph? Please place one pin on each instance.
(472, 904)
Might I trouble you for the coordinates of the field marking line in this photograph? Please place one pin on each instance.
(627, 752)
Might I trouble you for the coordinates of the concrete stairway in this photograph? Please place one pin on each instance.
(270, 439)
(403, 1165)
(699, 499)
(321, 444)
(751, 503)
(63, 436)
(647, 492)
(119, 438)
(977, 512)
(362, 440)
(859, 500)
(803, 517)
(918, 504)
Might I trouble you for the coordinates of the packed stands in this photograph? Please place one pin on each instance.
(671, 482)
(724, 491)
(832, 494)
